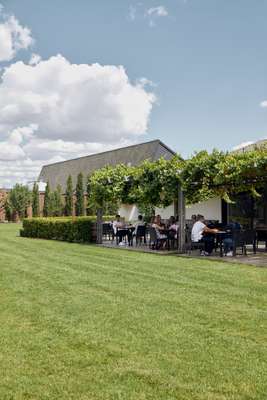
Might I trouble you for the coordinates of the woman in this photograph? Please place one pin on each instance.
(173, 227)
(157, 225)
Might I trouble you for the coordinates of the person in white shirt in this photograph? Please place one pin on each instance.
(200, 233)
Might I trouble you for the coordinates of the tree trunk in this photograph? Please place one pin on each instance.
(181, 215)
(99, 226)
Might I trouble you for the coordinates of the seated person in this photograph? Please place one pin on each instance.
(140, 222)
(200, 233)
(158, 226)
(228, 242)
(173, 227)
(118, 229)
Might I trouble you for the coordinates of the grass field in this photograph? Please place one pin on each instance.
(81, 322)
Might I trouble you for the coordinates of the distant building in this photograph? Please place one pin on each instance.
(57, 173)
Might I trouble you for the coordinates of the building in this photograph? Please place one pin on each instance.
(3, 197)
(57, 173)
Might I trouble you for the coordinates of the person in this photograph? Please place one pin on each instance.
(200, 233)
(140, 222)
(228, 242)
(118, 229)
(158, 226)
(193, 218)
(173, 227)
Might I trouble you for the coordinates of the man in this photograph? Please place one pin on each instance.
(228, 242)
(200, 233)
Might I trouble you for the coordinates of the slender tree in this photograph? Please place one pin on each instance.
(69, 197)
(79, 206)
(35, 200)
(56, 202)
(19, 199)
(47, 201)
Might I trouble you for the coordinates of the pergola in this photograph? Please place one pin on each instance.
(181, 216)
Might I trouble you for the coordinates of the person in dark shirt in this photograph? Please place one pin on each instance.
(228, 242)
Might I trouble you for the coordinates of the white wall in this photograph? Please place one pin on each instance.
(165, 213)
(211, 209)
(129, 212)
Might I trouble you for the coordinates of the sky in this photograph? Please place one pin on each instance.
(87, 76)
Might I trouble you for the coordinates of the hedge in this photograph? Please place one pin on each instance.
(77, 229)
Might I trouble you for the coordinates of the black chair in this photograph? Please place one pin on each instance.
(155, 243)
(140, 235)
(107, 230)
(189, 245)
(262, 237)
(243, 239)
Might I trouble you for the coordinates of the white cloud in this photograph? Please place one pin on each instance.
(52, 110)
(35, 59)
(154, 13)
(263, 104)
(13, 36)
(132, 13)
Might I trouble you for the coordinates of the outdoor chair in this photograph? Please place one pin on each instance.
(243, 239)
(140, 235)
(172, 240)
(189, 245)
(155, 243)
(107, 231)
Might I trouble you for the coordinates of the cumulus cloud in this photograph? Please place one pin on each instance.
(52, 110)
(13, 36)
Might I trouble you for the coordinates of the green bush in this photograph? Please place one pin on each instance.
(77, 229)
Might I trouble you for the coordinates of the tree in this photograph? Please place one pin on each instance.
(79, 206)
(19, 199)
(35, 200)
(56, 202)
(47, 201)
(69, 197)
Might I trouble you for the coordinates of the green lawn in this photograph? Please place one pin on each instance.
(81, 322)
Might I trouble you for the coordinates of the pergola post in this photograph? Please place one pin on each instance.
(181, 216)
(99, 226)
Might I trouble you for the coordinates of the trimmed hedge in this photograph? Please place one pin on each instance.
(77, 229)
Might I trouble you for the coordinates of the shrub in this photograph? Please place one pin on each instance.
(78, 229)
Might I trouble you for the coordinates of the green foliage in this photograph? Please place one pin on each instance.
(224, 174)
(107, 185)
(56, 202)
(77, 229)
(47, 201)
(156, 183)
(19, 199)
(35, 200)
(66, 229)
(69, 197)
(151, 183)
(79, 206)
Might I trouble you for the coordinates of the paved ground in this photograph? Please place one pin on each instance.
(258, 260)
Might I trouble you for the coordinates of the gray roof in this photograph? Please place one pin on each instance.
(58, 173)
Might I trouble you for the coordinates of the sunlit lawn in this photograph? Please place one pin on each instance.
(81, 322)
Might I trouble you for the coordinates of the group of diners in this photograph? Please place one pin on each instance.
(165, 230)
(208, 235)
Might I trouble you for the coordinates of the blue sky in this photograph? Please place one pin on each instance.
(207, 59)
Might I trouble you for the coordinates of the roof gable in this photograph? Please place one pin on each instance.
(132, 155)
